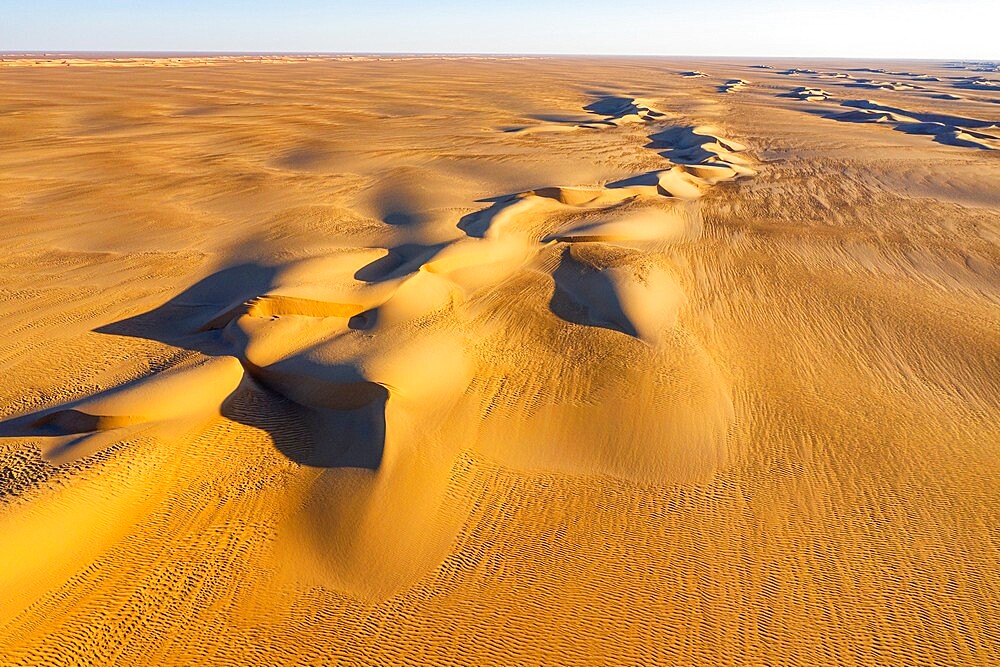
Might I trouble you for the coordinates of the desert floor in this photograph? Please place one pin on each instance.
(499, 361)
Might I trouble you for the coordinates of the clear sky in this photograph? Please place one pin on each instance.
(966, 29)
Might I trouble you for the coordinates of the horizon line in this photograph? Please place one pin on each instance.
(211, 52)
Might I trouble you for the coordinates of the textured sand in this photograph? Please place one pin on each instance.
(499, 361)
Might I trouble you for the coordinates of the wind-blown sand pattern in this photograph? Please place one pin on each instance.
(514, 361)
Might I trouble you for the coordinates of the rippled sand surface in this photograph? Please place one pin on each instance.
(314, 360)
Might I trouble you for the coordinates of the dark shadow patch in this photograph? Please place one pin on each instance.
(585, 295)
(476, 224)
(316, 437)
(399, 261)
(943, 128)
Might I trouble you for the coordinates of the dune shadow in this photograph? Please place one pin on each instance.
(616, 107)
(822, 112)
(66, 419)
(400, 218)
(57, 422)
(477, 223)
(732, 85)
(398, 261)
(557, 118)
(806, 94)
(944, 119)
(943, 128)
(318, 437)
(398, 198)
(181, 320)
(684, 145)
(644, 179)
(302, 158)
(981, 84)
(343, 426)
(586, 295)
(606, 111)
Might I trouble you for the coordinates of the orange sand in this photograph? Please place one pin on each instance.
(479, 361)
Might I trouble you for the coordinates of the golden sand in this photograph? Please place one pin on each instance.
(315, 360)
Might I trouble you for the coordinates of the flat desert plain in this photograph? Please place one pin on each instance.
(497, 361)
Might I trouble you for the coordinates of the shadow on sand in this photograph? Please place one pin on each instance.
(348, 431)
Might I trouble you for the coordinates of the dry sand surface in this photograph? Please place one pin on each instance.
(499, 361)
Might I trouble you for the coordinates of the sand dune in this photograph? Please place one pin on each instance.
(946, 129)
(327, 354)
(491, 361)
(615, 111)
(733, 85)
(881, 85)
(809, 94)
(796, 71)
(178, 393)
(978, 83)
(618, 109)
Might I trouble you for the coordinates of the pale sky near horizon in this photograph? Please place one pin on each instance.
(961, 29)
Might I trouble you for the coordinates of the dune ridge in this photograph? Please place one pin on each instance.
(734, 85)
(952, 130)
(363, 341)
(809, 94)
(306, 358)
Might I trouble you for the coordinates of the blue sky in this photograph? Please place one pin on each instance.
(848, 28)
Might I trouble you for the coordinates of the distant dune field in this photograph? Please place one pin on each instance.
(473, 361)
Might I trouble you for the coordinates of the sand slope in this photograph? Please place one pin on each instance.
(398, 360)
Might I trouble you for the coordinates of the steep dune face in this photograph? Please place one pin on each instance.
(331, 360)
